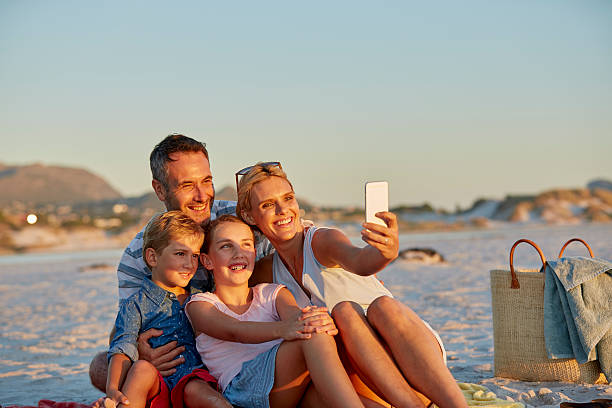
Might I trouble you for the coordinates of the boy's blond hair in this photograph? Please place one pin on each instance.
(168, 226)
(210, 229)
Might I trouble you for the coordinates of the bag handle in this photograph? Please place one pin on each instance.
(572, 240)
(515, 283)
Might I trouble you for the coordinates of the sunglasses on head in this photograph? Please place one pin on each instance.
(265, 166)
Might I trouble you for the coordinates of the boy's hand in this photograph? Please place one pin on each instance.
(114, 398)
(383, 238)
(318, 320)
(164, 358)
(99, 403)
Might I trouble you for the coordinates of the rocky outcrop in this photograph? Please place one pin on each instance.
(421, 255)
(38, 183)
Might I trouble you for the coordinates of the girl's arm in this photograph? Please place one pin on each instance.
(206, 318)
(316, 319)
(332, 248)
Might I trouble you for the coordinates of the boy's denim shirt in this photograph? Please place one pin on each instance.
(153, 307)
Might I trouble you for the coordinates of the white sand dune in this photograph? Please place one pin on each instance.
(54, 318)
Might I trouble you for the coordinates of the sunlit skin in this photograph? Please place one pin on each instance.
(232, 256)
(190, 186)
(390, 347)
(190, 189)
(275, 210)
(175, 265)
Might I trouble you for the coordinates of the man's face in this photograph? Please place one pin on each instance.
(190, 186)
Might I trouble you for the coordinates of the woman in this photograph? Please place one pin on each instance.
(397, 354)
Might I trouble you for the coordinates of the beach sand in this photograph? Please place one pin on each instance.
(56, 313)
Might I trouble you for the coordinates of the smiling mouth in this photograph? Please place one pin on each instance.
(238, 267)
(198, 207)
(283, 222)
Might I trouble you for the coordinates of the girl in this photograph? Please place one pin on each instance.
(255, 340)
(394, 351)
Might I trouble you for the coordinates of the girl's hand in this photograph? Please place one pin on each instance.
(114, 398)
(294, 329)
(318, 320)
(383, 238)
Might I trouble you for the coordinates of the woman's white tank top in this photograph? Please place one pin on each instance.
(327, 286)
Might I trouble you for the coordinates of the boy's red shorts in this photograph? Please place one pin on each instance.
(174, 399)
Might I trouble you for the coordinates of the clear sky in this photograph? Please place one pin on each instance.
(447, 100)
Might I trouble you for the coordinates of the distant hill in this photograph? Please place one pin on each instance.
(38, 183)
(147, 200)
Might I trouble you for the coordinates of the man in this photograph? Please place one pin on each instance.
(182, 181)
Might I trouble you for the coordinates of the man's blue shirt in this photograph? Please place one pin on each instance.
(153, 307)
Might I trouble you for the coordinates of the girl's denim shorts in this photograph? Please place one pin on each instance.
(252, 386)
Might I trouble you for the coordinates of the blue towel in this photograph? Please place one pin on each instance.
(578, 310)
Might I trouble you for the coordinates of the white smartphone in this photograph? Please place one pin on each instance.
(376, 200)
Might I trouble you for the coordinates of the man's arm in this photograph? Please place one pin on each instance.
(165, 358)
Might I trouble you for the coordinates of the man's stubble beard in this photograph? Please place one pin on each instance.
(172, 204)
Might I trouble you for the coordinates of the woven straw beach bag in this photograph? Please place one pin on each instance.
(518, 328)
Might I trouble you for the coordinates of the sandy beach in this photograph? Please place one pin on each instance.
(57, 311)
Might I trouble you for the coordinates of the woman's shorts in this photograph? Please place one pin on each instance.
(252, 386)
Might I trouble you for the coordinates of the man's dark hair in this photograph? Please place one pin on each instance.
(174, 143)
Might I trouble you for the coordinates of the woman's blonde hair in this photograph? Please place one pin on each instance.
(168, 226)
(259, 172)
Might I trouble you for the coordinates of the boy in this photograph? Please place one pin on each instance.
(171, 249)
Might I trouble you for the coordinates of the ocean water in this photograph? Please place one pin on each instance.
(56, 312)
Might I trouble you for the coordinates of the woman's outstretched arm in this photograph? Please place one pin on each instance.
(333, 248)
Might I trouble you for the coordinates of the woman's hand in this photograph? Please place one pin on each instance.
(318, 320)
(383, 238)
